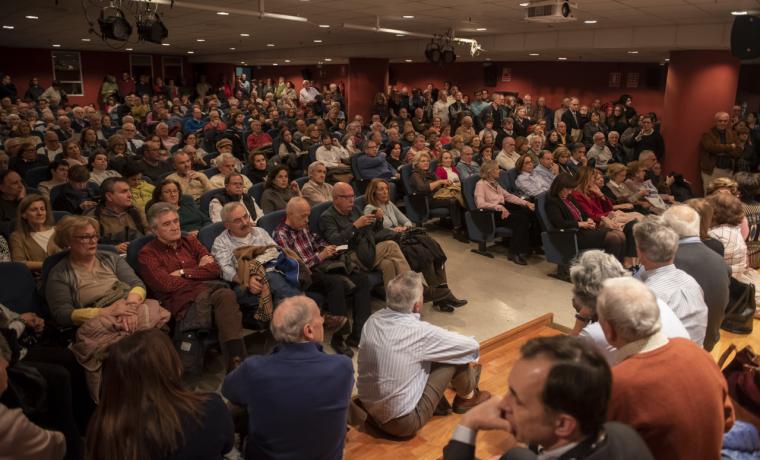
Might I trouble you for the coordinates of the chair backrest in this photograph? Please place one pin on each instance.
(406, 177)
(58, 215)
(433, 165)
(54, 192)
(543, 217)
(205, 200)
(34, 176)
(210, 156)
(301, 181)
(18, 289)
(506, 180)
(316, 213)
(355, 167)
(256, 191)
(211, 172)
(313, 152)
(207, 235)
(133, 251)
(360, 202)
(270, 221)
(468, 191)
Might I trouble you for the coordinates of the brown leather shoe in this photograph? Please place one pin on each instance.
(334, 322)
(462, 405)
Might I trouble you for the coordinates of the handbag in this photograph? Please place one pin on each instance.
(743, 377)
(741, 308)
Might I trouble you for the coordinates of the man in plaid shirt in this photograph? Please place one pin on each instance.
(294, 234)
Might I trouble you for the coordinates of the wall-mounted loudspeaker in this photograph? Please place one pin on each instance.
(745, 37)
(306, 74)
(490, 74)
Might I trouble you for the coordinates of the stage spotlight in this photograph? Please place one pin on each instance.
(448, 56)
(152, 29)
(433, 52)
(114, 26)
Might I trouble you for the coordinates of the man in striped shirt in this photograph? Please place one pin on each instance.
(405, 364)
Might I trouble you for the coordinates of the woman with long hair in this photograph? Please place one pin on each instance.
(33, 241)
(191, 219)
(154, 417)
(278, 190)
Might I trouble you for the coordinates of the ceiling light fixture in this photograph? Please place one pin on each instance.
(274, 63)
(222, 13)
(85, 39)
(328, 59)
(590, 21)
(534, 54)
(200, 40)
(633, 52)
(232, 48)
(245, 35)
(8, 27)
(324, 26)
(400, 35)
(408, 60)
(481, 29)
(524, 4)
(166, 44)
(152, 29)
(408, 16)
(32, 17)
(191, 52)
(667, 59)
(271, 45)
(317, 41)
(740, 13)
(56, 45)
(284, 17)
(562, 59)
(287, 60)
(128, 49)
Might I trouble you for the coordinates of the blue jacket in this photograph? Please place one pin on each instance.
(373, 167)
(297, 400)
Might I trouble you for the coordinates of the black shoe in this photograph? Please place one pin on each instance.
(340, 347)
(454, 302)
(443, 307)
(443, 408)
(518, 259)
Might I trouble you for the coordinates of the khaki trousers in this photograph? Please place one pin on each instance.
(462, 377)
(389, 259)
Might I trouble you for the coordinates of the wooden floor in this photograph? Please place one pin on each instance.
(498, 355)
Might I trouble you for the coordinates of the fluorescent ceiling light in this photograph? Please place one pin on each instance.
(317, 41)
(274, 63)
(534, 54)
(633, 52)
(481, 29)
(407, 60)
(524, 4)
(328, 59)
(400, 35)
(245, 35)
(222, 13)
(408, 16)
(287, 60)
(8, 27)
(191, 52)
(270, 45)
(284, 17)
(200, 40)
(562, 59)
(324, 26)
(166, 44)
(128, 49)
(232, 48)
(85, 39)
(32, 17)
(590, 21)
(56, 45)
(740, 13)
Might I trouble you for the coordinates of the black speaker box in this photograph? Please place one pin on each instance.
(306, 74)
(490, 74)
(745, 37)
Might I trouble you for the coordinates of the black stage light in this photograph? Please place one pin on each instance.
(448, 56)
(114, 26)
(433, 52)
(152, 29)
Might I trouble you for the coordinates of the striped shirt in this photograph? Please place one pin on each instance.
(684, 296)
(395, 354)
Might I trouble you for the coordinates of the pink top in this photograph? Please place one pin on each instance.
(491, 195)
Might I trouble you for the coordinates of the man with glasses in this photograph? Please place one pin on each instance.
(373, 165)
(129, 132)
(649, 139)
(180, 272)
(151, 164)
(233, 191)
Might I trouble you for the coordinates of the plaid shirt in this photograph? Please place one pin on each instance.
(304, 243)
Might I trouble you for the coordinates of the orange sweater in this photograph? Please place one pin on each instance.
(677, 400)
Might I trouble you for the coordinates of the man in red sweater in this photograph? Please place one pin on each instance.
(669, 390)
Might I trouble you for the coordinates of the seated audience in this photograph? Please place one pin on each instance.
(99, 168)
(89, 143)
(227, 164)
(467, 166)
(78, 194)
(654, 369)
(155, 416)
(258, 140)
(318, 255)
(120, 221)
(565, 213)
(233, 191)
(290, 154)
(141, 190)
(536, 179)
(706, 266)
(27, 159)
(262, 267)
(118, 155)
(642, 188)
(373, 165)
(562, 160)
(52, 146)
(423, 253)
(178, 269)
(19, 433)
(319, 389)
(749, 187)
(599, 153)
(507, 157)
(191, 219)
(278, 190)
(440, 193)
(557, 401)
(12, 191)
(587, 274)
(151, 164)
(59, 175)
(192, 183)
(335, 158)
(401, 389)
(73, 155)
(656, 246)
(33, 240)
(316, 190)
(511, 211)
(393, 155)
(258, 168)
(446, 169)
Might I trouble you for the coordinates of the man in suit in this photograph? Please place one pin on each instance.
(557, 403)
(572, 119)
(718, 148)
(298, 396)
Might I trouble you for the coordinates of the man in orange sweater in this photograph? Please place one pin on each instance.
(669, 390)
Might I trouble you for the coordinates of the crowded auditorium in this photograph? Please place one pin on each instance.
(422, 229)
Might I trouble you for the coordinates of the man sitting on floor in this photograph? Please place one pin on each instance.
(272, 276)
(405, 364)
(557, 402)
(298, 396)
(669, 390)
(178, 269)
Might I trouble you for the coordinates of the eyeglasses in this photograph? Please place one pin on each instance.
(91, 238)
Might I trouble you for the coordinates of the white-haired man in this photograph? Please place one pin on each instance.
(718, 148)
(656, 246)
(706, 266)
(669, 390)
(405, 364)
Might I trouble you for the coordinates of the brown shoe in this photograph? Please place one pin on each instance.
(334, 322)
(462, 405)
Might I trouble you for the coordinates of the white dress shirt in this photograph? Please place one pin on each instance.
(395, 354)
(225, 245)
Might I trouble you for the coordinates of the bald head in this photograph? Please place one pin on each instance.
(297, 319)
(343, 198)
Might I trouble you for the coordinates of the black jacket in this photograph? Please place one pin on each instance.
(559, 215)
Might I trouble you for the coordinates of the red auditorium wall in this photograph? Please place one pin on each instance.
(24, 63)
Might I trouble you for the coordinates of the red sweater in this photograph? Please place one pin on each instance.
(594, 207)
(677, 400)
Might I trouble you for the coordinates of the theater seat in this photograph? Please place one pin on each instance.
(18, 289)
(481, 223)
(270, 221)
(133, 250)
(316, 212)
(256, 191)
(36, 175)
(205, 200)
(208, 234)
(560, 245)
